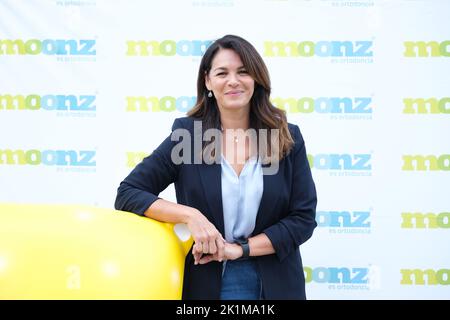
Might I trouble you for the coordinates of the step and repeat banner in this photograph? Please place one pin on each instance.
(90, 87)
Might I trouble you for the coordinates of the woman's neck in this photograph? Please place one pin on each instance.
(235, 120)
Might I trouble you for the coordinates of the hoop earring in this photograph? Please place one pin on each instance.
(210, 94)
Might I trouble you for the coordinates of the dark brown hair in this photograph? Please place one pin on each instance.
(263, 115)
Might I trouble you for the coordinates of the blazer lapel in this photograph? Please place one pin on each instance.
(210, 177)
(268, 200)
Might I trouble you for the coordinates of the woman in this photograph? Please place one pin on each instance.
(247, 222)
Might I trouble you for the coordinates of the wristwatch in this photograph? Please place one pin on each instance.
(245, 248)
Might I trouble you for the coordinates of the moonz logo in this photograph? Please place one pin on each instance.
(336, 275)
(163, 104)
(428, 220)
(343, 278)
(426, 163)
(306, 49)
(167, 48)
(325, 105)
(342, 164)
(426, 106)
(48, 102)
(425, 49)
(425, 277)
(60, 47)
(344, 221)
(134, 158)
(84, 158)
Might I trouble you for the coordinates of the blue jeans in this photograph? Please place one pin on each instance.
(240, 281)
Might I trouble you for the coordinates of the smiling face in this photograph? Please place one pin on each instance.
(230, 83)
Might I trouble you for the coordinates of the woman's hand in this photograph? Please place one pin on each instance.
(207, 239)
(232, 251)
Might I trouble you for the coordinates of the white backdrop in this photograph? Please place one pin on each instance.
(367, 81)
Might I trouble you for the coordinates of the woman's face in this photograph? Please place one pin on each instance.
(230, 83)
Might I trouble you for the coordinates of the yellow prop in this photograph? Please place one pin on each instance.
(80, 252)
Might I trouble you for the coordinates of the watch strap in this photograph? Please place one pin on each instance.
(245, 248)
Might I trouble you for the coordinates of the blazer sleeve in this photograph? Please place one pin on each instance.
(297, 227)
(142, 186)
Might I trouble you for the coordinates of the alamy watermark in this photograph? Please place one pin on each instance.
(206, 147)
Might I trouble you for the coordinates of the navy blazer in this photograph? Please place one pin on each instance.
(286, 213)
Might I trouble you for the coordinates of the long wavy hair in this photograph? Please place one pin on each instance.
(263, 115)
